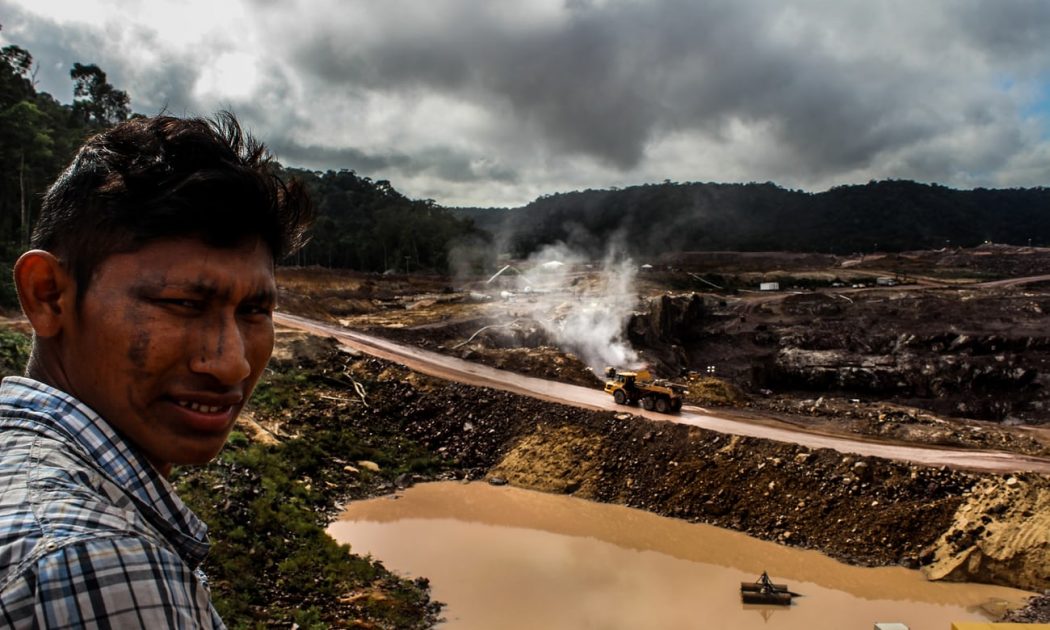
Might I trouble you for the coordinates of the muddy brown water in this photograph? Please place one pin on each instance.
(502, 557)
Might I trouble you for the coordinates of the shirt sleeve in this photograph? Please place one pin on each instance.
(123, 582)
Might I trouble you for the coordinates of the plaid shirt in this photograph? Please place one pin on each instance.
(91, 536)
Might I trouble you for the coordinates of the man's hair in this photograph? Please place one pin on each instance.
(163, 177)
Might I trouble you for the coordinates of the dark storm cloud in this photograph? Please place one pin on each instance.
(495, 102)
(1017, 28)
(54, 48)
(167, 85)
(608, 78)
(442, 163)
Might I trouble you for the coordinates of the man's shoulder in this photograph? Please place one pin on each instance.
(72, 540)
(52, 495)
(123, 579)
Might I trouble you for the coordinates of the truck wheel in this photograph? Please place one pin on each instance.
(620, 397)
(663, 405)
(676, 405)
(647, 403)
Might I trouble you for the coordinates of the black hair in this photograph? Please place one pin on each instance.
(164, 177)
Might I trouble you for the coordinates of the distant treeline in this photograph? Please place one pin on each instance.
(369, 226)
(891, 215)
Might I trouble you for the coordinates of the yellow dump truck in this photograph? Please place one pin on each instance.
(628, 388)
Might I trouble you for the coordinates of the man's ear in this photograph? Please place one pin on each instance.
(45, 290)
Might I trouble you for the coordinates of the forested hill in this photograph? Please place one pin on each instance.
(886, 215)
(368, 225)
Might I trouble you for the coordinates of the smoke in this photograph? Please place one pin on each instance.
(582, 306)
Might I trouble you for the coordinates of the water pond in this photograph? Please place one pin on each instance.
(507, 558)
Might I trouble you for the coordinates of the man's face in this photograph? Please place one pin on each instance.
(169, 342)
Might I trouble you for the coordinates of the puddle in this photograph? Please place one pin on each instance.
(509, 558)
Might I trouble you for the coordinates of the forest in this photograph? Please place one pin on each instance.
(892, 215)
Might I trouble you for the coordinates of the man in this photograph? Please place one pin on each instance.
(150, 289)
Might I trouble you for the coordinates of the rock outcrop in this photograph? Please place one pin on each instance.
(1000, 535)
(664, 326)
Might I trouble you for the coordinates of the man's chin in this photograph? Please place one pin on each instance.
(188, 453)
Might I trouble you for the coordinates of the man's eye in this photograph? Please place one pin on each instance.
(183, 303)
(256, 309)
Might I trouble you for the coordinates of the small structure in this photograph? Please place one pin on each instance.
(885, 281)
(764, 591)
(769, 286)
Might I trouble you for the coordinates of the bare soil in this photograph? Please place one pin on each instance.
(943, 360)
(862, 510)
(964, 366)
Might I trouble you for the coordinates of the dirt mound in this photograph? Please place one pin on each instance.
(1000, 534)
(712, 391)
(559, 460)
(988, 260)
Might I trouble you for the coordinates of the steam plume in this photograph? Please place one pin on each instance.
(582, 309)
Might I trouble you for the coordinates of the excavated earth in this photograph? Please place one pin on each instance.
(868, 511)
(963, 366)
(943, 360)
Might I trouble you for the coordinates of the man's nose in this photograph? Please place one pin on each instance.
(222, 352)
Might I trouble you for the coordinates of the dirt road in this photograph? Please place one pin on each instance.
(446, 367)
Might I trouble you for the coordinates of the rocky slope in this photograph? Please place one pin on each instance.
(864, 510)
(1000, 534)
(976, 354)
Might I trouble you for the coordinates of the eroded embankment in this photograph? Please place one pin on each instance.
(864, 510)
(1000, 534)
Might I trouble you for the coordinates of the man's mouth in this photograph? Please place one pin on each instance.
(200, 408)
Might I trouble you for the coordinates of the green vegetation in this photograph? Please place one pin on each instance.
(267, 506)
(280, 391)
(369, 226)
(14, 352)
(271, 561)
(38, 137)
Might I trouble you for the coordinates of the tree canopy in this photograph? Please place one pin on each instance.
(368, 225)
(893, 215)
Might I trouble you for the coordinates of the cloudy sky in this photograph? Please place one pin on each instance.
(473, 102)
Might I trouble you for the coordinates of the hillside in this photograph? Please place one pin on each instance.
(885, 215)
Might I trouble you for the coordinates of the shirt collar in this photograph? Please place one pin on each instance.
(116, 457)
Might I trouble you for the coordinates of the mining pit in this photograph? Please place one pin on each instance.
(502, 557)
(940, 349)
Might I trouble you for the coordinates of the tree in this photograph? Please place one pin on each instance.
(26, 141)
(15, 83)
(94, 99)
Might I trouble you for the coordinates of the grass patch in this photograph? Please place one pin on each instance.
(14, 352)
(266, 507)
